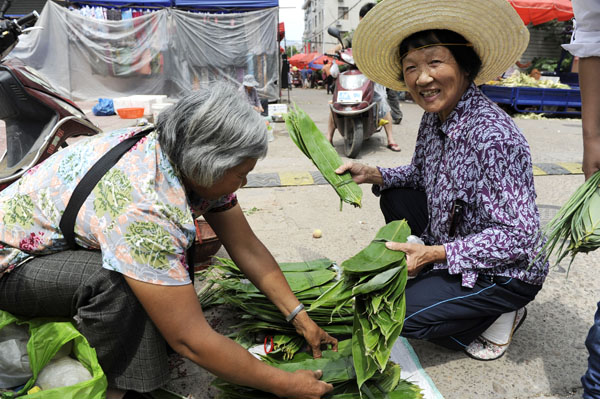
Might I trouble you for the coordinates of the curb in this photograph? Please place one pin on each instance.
(284, 179)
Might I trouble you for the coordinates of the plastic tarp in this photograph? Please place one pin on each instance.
(226, 3)
(201, 4)
(164, 52)
(130, 3)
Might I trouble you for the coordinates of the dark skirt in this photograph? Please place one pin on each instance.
(73, 284)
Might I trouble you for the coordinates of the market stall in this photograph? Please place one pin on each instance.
(94, 51)
(555, 93)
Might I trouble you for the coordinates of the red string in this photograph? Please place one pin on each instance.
(266, 340)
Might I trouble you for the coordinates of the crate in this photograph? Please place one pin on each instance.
(536, 99)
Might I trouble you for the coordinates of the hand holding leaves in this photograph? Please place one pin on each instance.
(313, 334)
(418, 255)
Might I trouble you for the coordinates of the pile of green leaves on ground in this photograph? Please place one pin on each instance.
(309, 139)
(576, 226)
(338, 369)
(375, 279)
(224, 283)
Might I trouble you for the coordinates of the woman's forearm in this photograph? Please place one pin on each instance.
(229, 361)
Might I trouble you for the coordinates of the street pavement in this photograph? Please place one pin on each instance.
(287, 202)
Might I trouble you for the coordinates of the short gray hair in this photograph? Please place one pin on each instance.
(210, 131)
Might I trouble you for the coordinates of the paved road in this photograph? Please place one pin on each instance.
(547, 356)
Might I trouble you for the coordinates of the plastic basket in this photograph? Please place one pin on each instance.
(130, 113)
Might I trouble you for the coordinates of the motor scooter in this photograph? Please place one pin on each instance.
(38, 120)
(354, 109)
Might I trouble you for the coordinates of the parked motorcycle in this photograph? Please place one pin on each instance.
(37, 118)
(354, 109)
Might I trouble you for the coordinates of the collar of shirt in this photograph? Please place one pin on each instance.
(453, 125)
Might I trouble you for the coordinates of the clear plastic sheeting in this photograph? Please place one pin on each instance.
(164, 52)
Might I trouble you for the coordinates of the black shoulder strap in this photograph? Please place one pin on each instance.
(89, 181)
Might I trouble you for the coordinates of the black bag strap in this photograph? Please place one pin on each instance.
(89, 181)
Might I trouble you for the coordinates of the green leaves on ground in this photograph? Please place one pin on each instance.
(576, 226)
(367, 302)
(338, 369)
(375, 277)
(308, 280)
(307, 137)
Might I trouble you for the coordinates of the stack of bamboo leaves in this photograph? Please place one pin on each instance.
(576, 226)
(314, 145)
(338, 370)
(375, 278)
(308, 280)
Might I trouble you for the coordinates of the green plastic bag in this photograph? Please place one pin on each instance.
(47, 336)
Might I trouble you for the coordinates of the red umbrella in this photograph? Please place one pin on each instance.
(318, 62)
(301, 60)
(539, 11)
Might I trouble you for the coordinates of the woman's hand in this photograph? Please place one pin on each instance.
(418, 255)
(361, 173)
(305, 384)
(313, 334)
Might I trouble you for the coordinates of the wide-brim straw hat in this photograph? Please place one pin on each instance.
(493, 27)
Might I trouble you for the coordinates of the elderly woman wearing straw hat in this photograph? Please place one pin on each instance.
(249, 85)
(468, 192)
(128, 287)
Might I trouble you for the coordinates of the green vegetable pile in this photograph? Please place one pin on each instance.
(522, 79)
(338, 370)
(366, 301)
(576, 226)
(308, 280)
(375, 278)
(309, 139)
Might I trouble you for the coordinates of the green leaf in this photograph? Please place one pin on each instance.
(314, 145)
(376, 256)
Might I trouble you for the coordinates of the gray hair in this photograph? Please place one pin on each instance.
(210, 131)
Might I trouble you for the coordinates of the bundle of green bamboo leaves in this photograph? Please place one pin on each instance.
(338, 370)
(314, 145)
(224, 283)
(576, 226)
(375, 278)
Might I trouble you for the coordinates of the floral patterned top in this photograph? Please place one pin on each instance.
(139, 214)
(479, 156)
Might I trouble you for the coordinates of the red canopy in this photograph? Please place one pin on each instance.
(301, 60)
(539, 11)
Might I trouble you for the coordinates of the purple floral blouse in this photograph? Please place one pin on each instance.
(480, 157)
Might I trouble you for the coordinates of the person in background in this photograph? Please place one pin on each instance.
(128, 287)
(248, 88)
(469, 191)
(384, 115)
(585, 44)
(304, 77)
(327, 78)
(393, 99)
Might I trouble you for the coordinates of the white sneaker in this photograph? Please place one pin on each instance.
(485, 347)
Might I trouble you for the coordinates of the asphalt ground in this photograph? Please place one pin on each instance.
(286, 200)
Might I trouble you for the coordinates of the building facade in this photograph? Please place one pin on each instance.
(321, 14)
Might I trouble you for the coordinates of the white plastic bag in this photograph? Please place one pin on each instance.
(62, 372)
(14, 360)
